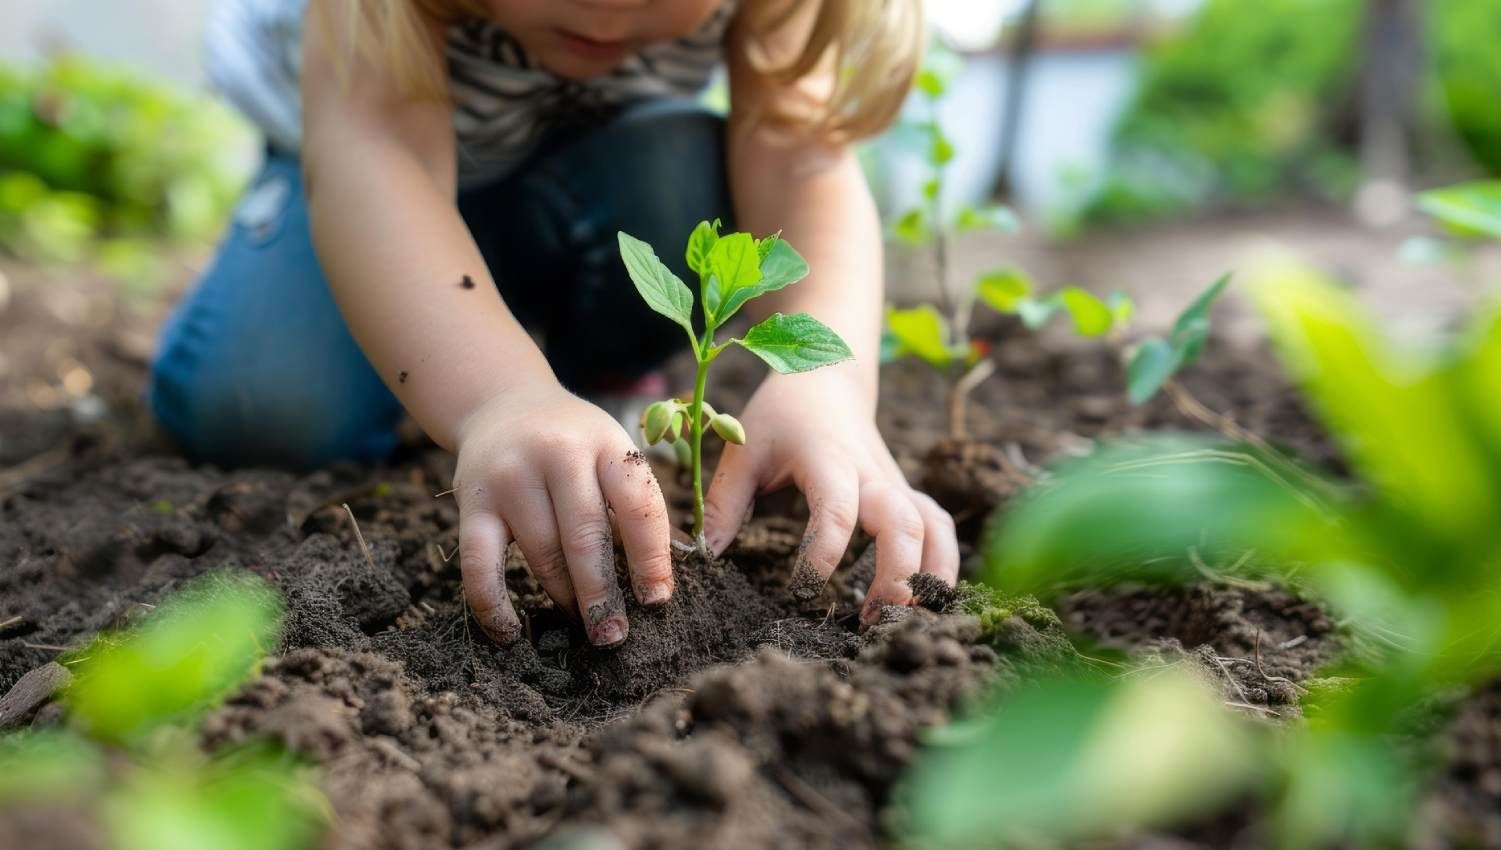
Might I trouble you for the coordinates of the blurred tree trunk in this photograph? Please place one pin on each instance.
(1389, 90)
(1023, 45)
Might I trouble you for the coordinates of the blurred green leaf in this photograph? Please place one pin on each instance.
(1151, 365)
(990, 217)
(1035, 312)
(47, 765)
(921, 332)
(1468, 209)
(912, 227)
(930, 83)
(940, 149)
(189, 653)
(1004, 289)
(1092, 317)
(1191, 328)
(1070, 758)
(1122, 309)
(249, 800)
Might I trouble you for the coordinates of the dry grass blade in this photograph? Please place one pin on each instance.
(360, 536)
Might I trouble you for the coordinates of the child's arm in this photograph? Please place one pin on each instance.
(532, 458)
(817, 429)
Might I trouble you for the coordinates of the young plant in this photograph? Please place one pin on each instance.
(1467, 214)
(732, 269)
(132, 746)
(1407, 554)
(940, 336)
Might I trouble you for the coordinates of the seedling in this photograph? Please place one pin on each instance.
(940, 336)
(134, 703)
(732, 270)
(1467, 214)
(1407, 555)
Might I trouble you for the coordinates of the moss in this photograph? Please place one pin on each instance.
(993, 608)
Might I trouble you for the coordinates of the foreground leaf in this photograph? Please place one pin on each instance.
(662, 290)
(1469, 209)
(1077, 757)
(700, 243)
(734, 263)
(795, 343)
(189, 653)
(781, 267)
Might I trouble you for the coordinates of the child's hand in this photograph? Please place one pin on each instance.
(817, 430)
(551, 469)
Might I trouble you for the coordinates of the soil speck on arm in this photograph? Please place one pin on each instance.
(635, 456)
(466, 282)
(401, 377)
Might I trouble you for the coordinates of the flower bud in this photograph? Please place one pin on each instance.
(729, 428)
(655, 420)
(684, 453)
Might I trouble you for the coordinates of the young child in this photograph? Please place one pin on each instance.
(457, 174)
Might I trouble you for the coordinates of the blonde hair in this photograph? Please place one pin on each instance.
(871, 50)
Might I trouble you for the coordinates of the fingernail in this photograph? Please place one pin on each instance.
(502, 630)
(608, 632)
(654, 594)
(806, 583)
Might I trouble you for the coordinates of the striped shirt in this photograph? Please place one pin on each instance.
(504, 103)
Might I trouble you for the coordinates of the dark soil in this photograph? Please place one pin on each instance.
(742, 714)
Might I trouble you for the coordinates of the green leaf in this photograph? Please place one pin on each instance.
(1191, 329)
(1389, 414)
(1469, 209)
(795, 343)
(1092, 317)
(248, 800)
(912, 227)
(48, 765)
(734, 263)
(921, 332)
(1004, 289)
(930, 83)
(188, 653)
(662, 290)
(781, 267)
(700, 243)
(991, 217)
(1069, 758)
(1035, 312)
(931, 188)
(1153, 363)
(940, 150)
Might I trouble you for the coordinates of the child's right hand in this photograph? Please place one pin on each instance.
(551, 469)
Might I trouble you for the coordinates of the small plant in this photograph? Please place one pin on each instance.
(732, 269)
(133, 704)
(940, 336)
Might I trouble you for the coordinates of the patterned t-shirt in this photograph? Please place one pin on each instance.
(504, 102)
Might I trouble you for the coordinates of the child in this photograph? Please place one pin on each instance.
(458, 174)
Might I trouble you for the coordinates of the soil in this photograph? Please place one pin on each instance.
(750, 711)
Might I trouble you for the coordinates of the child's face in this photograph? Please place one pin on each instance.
(587, 38)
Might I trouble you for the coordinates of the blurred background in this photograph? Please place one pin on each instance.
(1142, 142)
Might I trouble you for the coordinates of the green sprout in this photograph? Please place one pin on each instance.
(732, 270)
(1467, 214)
(132, 747)
(941, 336)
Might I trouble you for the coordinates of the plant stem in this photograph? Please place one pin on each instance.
(697, 445)
(959, 396)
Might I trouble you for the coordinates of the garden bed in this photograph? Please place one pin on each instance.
(732, 717)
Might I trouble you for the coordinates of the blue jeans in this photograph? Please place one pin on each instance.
(256, 366)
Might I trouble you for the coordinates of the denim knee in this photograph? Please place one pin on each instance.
(256, 366)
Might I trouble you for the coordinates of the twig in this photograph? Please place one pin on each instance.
(447, 492)
(360, 536)
(1256, 649)
(12, 621)
(51, 647)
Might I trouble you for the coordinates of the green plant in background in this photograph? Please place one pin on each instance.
(1462, 39)
(1468, 214)
(732, 269)
(94, 160)
(132, 746)
(1407, 554)
(940, 335)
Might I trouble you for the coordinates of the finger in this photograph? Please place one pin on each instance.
(632, 492)
(940, 542)
(529, 513)
(482, 562)
(888, 513)
(833, 493)
(731, 495)
(584, 533)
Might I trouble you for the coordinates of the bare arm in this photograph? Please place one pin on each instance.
(535, 464)
(380, 175)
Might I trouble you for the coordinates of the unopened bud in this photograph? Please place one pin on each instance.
(729, 428)
(655, 420)
(683, 452)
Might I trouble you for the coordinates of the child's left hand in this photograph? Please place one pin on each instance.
(817, 430)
